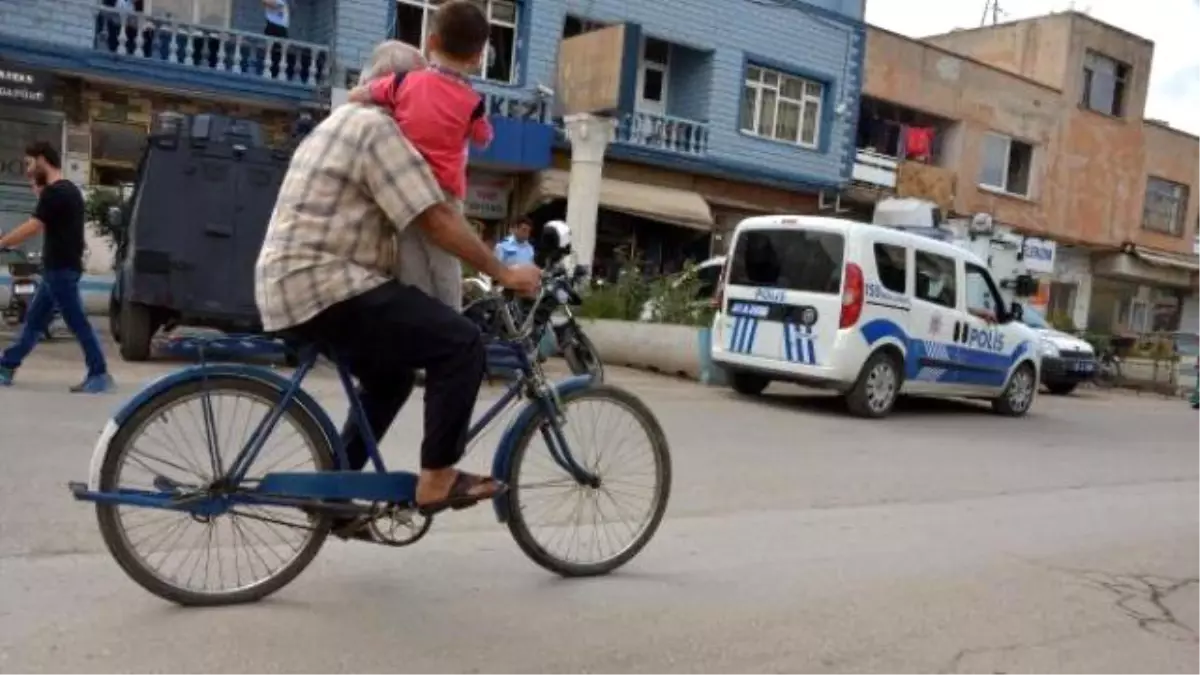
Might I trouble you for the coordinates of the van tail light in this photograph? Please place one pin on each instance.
(852, 297)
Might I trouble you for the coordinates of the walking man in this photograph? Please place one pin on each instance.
(59, 215)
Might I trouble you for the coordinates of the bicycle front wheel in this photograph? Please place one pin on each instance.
(243, 554)
(576, 530)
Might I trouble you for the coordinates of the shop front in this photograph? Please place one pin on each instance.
(1141, 291)
(26, 115)
(488, 203)
(662, 226)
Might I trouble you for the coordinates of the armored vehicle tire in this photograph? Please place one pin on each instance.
(114, 319)
(137, 327)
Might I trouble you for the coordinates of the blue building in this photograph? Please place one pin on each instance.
(729, 107)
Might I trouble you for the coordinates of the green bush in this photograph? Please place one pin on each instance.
(96, 204)
(671, 300)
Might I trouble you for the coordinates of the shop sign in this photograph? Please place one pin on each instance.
(487, 198)
(1039, 255)
(24, 86)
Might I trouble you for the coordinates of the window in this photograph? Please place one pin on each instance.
(652, 76)
(795, 260)
(982, 296)
(1165, 206)
(891, 266)
(936, 279)
(1105, 81)
(574, 25)
(414, 19)
(1007, 164)
(780, 106)
(205, 12)
(117, 143)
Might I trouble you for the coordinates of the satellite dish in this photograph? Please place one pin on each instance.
(981, 223)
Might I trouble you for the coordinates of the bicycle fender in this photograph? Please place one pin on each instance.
(516, 429)
(200, 372)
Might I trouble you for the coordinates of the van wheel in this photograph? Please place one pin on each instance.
(1018, 395)
(877, 388)
(748, 384)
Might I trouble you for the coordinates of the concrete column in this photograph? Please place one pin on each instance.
(589, 136)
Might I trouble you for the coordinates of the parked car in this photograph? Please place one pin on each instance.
(1067, 360)
(872, 313)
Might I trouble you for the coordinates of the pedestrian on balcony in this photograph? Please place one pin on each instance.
(278, 17)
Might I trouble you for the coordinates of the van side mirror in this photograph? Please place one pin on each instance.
(115, 218)
(1025, 286)
(1016, 312)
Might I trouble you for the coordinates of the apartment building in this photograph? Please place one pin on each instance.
(731, 108)
(1040, 124)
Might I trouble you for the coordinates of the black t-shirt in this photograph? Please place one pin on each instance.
(61, 210)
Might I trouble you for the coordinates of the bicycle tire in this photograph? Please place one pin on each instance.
(110, 524)
(519, 528)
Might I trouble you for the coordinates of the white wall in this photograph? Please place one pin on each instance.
(1074, 266)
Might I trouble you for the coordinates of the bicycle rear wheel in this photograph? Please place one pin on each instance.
(603, 527)
(241, 555)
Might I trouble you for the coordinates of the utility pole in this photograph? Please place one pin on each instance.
(992, 7)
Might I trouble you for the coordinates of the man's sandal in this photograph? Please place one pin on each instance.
(464, 493)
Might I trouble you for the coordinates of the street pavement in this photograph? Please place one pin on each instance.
(943, 539)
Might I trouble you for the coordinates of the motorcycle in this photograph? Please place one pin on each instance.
(480, 305)
(578, 351)
(24, 271)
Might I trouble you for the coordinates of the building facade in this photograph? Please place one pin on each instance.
(734, 107)
(1040, 125)
(88, 76)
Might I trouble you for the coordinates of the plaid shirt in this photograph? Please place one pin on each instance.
(353, 184)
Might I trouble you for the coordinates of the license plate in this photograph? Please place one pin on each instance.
(1084, 366)
(24, 288)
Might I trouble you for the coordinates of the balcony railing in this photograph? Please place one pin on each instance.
(875, 169)
(137, 36)
(660, 132)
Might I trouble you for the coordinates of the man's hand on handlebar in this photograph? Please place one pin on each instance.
(521, 279)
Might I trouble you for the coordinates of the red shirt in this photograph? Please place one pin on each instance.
(436, 112)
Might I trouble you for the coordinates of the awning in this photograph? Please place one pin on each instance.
(1165, 259)
(668, 205)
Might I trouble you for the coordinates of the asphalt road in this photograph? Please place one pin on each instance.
(943, 539)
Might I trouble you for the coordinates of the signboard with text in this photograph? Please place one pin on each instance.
(487, 197)
(1039, 255)
(24, 86)
(589, 71)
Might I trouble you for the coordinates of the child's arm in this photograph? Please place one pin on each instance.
(360, 94)
(377, 91)
(481, 132)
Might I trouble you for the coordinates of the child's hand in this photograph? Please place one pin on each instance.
(482, 133)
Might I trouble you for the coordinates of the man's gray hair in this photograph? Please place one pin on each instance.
(391, 56)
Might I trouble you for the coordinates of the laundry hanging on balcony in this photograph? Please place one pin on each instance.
(918, 143)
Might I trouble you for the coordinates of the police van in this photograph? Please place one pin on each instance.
(869, 311)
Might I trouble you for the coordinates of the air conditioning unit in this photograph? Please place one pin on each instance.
(981, 223)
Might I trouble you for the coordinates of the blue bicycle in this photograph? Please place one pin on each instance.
(201, 513)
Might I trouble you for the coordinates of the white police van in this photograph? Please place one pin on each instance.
(872, 312)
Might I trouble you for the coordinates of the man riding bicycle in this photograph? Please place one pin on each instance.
(325, 276)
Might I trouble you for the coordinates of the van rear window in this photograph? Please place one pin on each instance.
(794, 260)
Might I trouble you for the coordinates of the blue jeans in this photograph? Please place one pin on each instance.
(58, 288)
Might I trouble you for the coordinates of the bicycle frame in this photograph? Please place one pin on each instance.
(380, 485)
